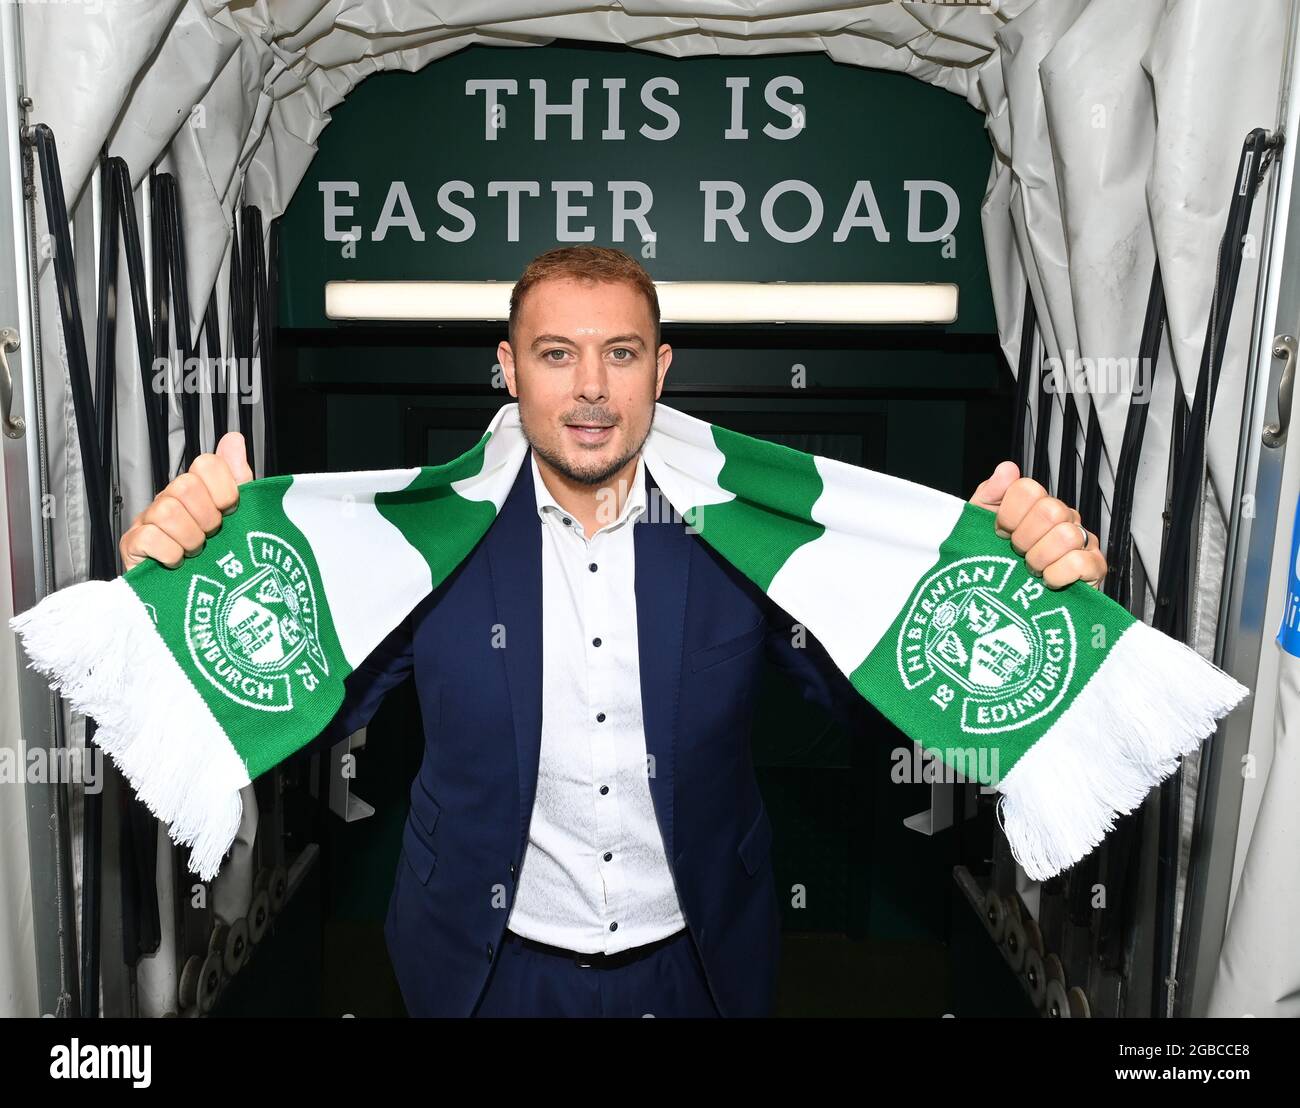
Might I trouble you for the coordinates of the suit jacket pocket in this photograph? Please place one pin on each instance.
(419, 855)
(729, 648)
(424, 807)
(418, 835)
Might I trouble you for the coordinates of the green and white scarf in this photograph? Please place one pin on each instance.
(203, 677)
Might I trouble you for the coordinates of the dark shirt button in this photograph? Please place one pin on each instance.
(567, 521)
(600, 717)
(592, 567)
(614, 926)
(489, 951)
(608, 855)
(512, 869)
(604, 789)
(595, 642)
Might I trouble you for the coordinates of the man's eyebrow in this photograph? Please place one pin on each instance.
(541, 339)
(629, 340)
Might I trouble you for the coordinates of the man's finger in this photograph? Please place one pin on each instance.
(191, 490)
(1078, 565)
(1017, 503)
(1046, 516)
(233, 450)
(151, 541)
(1053, 544)
(170, 515)
(992, 489)
(214, 472)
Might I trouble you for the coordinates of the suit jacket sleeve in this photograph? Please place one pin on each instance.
(811, 668)
(365, 687)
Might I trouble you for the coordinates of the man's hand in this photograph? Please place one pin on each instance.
(1046, 531)
(189, 509)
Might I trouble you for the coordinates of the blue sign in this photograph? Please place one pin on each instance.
(1289, 634)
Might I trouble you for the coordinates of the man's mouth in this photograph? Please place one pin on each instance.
(590, 432)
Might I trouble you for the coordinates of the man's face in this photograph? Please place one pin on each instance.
(586, 375)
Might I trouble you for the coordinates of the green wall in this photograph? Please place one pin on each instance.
(425, 130)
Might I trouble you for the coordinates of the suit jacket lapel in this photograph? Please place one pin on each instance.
(514, 551)
(662, 572)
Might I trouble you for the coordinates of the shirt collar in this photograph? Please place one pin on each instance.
(633, 505)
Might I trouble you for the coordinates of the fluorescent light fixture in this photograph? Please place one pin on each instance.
(679, 301)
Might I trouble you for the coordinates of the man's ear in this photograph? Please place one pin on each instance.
(662, 361)
(506, 360)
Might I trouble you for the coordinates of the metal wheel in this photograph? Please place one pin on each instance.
(995, 915)
(1035, 977)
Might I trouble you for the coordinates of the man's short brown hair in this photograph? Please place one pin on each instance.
(584, 263)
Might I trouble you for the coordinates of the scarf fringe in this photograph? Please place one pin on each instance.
(1153, 700)
(97, 643)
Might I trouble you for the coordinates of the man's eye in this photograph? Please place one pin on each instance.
(624, 350)
(550, 352)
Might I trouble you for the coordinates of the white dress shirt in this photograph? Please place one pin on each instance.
(595, 877)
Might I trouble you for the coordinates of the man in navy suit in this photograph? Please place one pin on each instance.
(586, 834)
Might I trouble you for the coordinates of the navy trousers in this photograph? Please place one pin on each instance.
(669, 981)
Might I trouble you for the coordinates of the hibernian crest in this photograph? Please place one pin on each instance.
(984, 638)
(254, 635)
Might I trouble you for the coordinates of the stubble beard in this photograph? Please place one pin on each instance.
(592, 477)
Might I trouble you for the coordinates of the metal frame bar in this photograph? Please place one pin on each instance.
(1242, 630)
(40, 717)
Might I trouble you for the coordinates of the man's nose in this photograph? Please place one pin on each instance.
(591, 380)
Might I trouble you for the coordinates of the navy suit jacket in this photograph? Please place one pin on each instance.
(474, 645)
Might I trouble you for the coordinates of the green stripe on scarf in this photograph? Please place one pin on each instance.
(775, 488)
